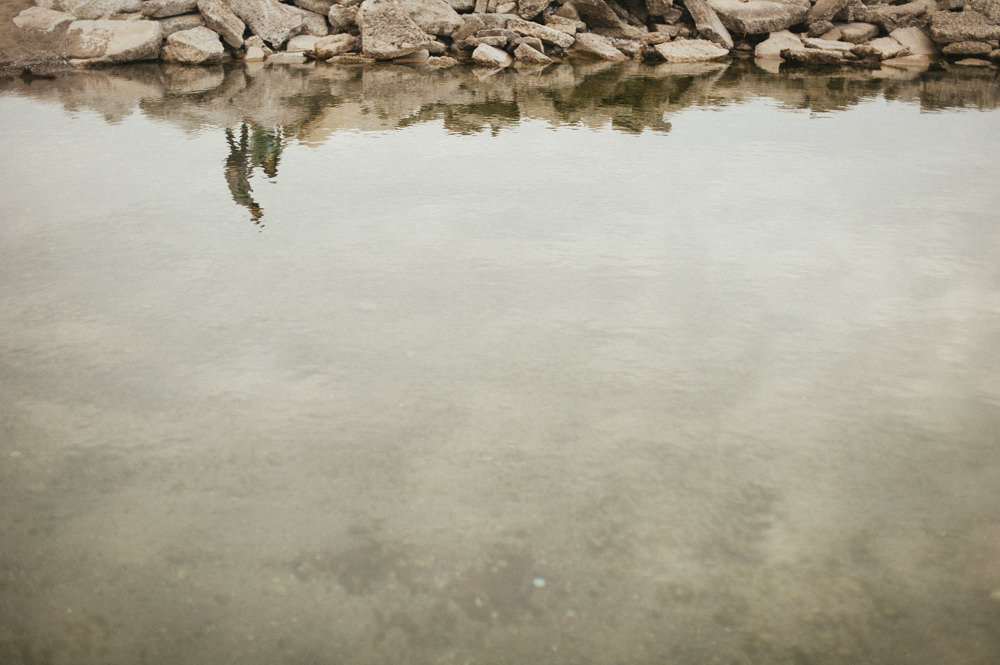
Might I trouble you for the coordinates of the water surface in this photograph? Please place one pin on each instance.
(599, 365)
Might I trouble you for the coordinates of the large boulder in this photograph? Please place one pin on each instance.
(197, 46)
(38, 19)
(708, 23)
(690, 50)
(915, 40)
(435, 17)
(988, 8)
(312, 23)
(222, 19)
(968, 26)
(269, 19)
(590, 45)
(166, 8)
(112, 42)
(387, 32)
(98, 9)
(760, 16)
(529, 9)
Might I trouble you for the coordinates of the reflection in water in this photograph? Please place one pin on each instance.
(259, 148)
(694, 388)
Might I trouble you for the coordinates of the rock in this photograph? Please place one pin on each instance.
(471, 24)
(178, 23)
(302, 43)
(490, 56)
(507, 8)
(988, 8)
(269, 19)
(759, 16)
(419, 56)
(342, 18)
(569, 26)
(327, 47)
(995, 55)
(589, 45)
(530, 55)
(386, 32)
(891, 17)
(499, 41)
(529, 9)
(659, 7)
(919, 62)
(313, 24)
(37, 19)
(461, 6)
(286, 58)
(99, 9)
(858, 33)
(435, 17)
(888, 47)
(597, 14)
(690, 50)
(113, 42)
(222, 19)
(915, 39)
(167, 8)
(820, 28)
(254, 54)
(318, 6)
(708, 24)
(967, 48)
(968, 26)
(351, 59)
(775, 43)
(568, 10)
(973, 62)
(812, 56)
(827, 44)
(197, 46)
(549, 35)
(533, 42)
(825, 10)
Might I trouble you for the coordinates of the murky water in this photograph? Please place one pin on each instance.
(672, 366)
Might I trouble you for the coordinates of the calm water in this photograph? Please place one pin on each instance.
(672, 366)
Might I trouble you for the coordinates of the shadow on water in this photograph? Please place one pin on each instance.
(311, 103)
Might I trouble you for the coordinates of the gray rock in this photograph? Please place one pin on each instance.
(462, 6)
(760, 16)
(820, 28)
(988, 8)
(567, 25)
(529, 9)
(113, 42)
(197, 46)
(318, 6)
(597, 14)
(327, 47)
(590, 45)
(178, 23)
(914, 39)
(812, 56)
(967, 48)
(38, 19)
(825, 10)
(530, 56)
(387, 32)
(858, 33)
(776, 43)
(222, 19)
(690, 50)
(490, 56)
(659, 7)
(891, 17)
(313, 24)
(167, 8)
(708, 24)
(97, 9)
(269, 19)
(435, 17)
(529, 29)
(471, 24)
(968, 26)
(973, 62)
(342, 19)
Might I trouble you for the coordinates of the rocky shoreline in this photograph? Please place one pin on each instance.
(497, 34)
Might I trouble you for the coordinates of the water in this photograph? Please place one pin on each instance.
(602, 365)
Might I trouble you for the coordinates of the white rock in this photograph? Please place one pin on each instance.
(98, 9)
(530, 56)
(690, 50)
(197, 46)
(435, 17)
(112, 42)
(37, 19)
(491, 56)
(775, 43)
(914, 39)
(387, 32)
(222, 19)
(274, 22)
(546, 34)
(286, 58)
(166, 8)
(304, 43)
(591, 45)
(327, 47)
(888, 47)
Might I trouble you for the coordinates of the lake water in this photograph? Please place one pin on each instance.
(677, 366)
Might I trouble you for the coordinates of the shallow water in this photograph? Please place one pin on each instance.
(601, 365)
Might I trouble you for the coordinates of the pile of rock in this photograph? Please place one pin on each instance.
(499, 33)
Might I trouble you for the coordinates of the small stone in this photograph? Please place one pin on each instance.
(530, 56)
(491, 56)
(974, 62)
